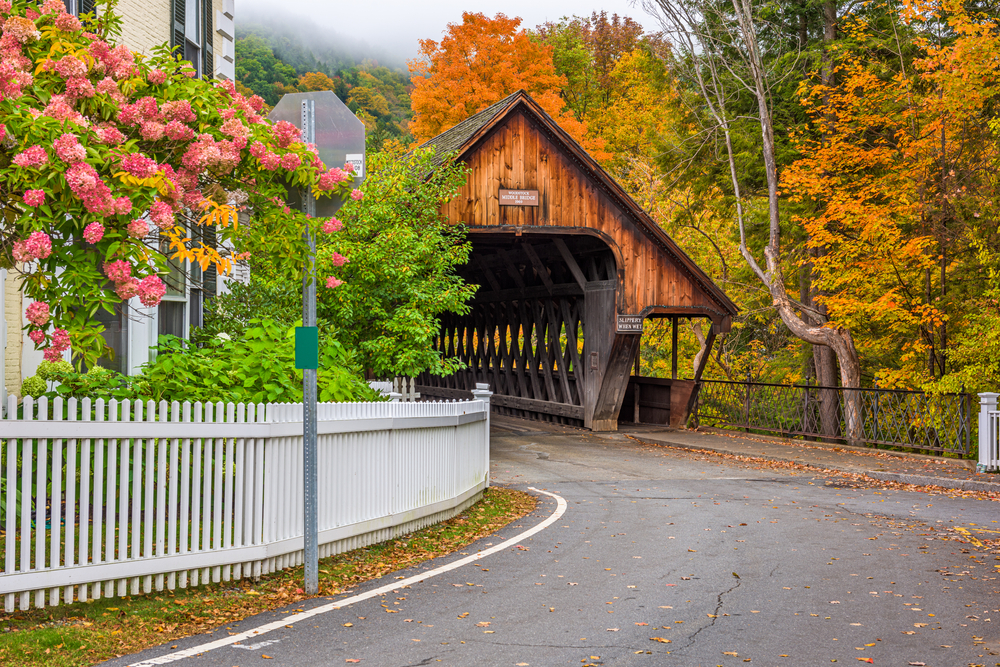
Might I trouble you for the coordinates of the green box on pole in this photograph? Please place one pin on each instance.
(307, 347)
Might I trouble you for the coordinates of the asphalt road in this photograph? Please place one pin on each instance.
(724, 563)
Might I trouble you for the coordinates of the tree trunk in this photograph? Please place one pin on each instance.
(837, 339)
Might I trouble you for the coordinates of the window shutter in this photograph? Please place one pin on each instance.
(86, 7)
(207, 52)
(177, 32)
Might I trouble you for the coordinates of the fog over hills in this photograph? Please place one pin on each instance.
(309, 45)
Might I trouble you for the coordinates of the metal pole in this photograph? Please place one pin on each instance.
(310, 530)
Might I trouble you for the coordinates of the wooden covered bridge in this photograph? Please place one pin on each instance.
(569, 268)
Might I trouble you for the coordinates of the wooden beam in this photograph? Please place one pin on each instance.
(540, 269)
(709, 342)
(443, 392)
(511, 268)
(492, 279)
(532, 405)
(615, 382)
(566, 289)
(567, 256)
(673, 347)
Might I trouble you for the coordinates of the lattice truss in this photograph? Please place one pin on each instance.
(525, 335)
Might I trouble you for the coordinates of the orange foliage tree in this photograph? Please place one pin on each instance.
(479, 62)
(899, 183)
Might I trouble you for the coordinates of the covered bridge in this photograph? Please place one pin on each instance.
(569, 268)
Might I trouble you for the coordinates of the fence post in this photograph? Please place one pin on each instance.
(394, 396)
(988, 454)
(482, 393)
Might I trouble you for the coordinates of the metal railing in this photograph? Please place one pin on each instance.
(125, 498)
(939, 423)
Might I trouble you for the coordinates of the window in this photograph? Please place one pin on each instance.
(192, 34)
(171, 311)
(115, 336)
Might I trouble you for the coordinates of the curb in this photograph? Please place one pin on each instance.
(830, 446)
(905, 478)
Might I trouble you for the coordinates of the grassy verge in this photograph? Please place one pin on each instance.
(86, 633)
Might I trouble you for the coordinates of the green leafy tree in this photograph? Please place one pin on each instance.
(399, 275)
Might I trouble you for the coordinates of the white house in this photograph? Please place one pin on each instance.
(204, 30)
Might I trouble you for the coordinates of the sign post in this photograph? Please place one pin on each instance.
(340, 138)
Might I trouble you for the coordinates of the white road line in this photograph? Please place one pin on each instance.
(333, 606)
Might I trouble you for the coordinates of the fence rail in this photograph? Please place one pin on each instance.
(104, 499)
(911, 419)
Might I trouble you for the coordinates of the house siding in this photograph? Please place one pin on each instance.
(12, 317)
(145, 25)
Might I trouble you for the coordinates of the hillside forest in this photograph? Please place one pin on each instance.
(833, 166)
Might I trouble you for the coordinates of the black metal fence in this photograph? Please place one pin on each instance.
(940, 423)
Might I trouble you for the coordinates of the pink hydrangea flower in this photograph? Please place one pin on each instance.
(3, 131)
(157, 76)
(178, 131)
(234, 128)
(338, 260)
(118, 271)
(108, 86)
(53, 7)
(68, 23)
(332, 282)
(87, 185)
(285, 133)
(270, 161)
(21, 28)
(69, 149)
(69, 66)
(93, 232)
(127, 289)
(180, 110)
(290, 161)
(123, 206)
(332, 225)
(34, 197)
(161, 214)
(59, 107)
(37, 336)
(109, 135)
(78, 87)
(34, 156)
(357, 195)
(60, 339)
(151, 290)
(37, 246)
(258, 150)
(138, 165)
(38, 313)
(329, 179)
(138, 229)
(53, 355)
(152, 131)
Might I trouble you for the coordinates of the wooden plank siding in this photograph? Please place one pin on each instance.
(520, 153)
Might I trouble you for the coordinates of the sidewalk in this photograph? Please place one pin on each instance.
(874, 463)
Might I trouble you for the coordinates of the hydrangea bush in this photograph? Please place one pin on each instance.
(107, 156)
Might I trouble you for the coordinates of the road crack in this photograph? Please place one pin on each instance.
(713, 617)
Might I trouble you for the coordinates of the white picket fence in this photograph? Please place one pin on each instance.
(989, 433)
(127, 498)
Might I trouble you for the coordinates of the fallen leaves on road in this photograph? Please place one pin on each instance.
(662, 640)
